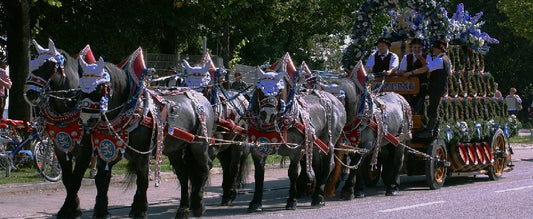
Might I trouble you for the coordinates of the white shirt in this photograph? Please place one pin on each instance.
(436, 63)
(403, 63)
(393, 60)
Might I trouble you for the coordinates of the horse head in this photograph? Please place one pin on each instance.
(48, 64)
(197, 78)
(271, 95)
(95, 85)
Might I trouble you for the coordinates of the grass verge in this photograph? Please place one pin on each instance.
(30, 174)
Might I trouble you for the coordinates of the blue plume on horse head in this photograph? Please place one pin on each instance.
(270, 83)
(197, 77)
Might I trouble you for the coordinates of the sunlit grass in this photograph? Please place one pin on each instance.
(30, 174)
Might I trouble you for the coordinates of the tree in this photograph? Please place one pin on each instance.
(520, 16)
(18, 32)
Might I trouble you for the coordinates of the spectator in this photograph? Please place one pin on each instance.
(174, 80)
(238, 85)
(497, 92)
(5, 85)
(514, 103)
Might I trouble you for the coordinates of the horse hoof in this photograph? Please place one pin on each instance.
(198, 212)
(138, 215)
(107, 216)
(318, 202)
(182, 213)
(255, 208)
(69, 213)
(291, 204)
(347, 196)
(360, 194)
(226, 202)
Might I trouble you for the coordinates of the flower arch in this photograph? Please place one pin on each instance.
(423, 18)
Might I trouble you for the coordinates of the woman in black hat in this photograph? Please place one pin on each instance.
(383, 60)
(439, 70)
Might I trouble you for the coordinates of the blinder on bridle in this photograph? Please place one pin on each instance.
(95, 85)
(42, 70)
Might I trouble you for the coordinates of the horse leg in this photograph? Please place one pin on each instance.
(392, 158)
(102, 180)
(71, 204)
(324, 166)
(293, 176)
(199, 176)
(139, 207)
(355, 179)
(257, 201)
(228, 174)
(182, 173)
(302, 182)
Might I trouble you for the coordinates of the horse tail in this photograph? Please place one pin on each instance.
(244, 170)
(130, 177)
(407, 125)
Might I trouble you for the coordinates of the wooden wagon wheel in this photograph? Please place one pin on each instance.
(436, 170)
(497, 146)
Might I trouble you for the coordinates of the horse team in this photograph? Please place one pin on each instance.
(94, 108)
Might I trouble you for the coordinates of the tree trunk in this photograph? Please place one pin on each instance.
(18, 46)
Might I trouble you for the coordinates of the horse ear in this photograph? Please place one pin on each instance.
(101, 64)
(82, 64)
(38, 47)
(206, 67)
(186, 64)
(280, 75)
(51, 46)
(260, 72)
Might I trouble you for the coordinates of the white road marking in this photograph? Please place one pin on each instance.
(411, 206)
(513, 189)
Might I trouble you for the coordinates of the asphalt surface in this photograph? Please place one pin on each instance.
(43, 199)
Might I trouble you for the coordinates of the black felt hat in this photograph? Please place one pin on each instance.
(441, 44)
(417, 41)
(383, 40)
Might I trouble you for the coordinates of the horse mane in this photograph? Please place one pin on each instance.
(119, 85)
(71, 71)
(351, 98)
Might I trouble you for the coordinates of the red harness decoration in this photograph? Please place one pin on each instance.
(64, 129)
(265, 138)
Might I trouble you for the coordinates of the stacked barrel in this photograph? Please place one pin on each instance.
(470, 114)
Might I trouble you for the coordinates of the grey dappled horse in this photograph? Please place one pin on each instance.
(109, 97)
(362, 106)
(229, 107)
(53, 75)
(288, 123)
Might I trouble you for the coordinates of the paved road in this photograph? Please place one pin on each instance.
(467, 197)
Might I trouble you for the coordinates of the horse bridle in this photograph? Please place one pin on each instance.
(42, 86)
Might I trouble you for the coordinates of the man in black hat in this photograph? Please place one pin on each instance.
(383, 60)
(416, 59)
(439, 70)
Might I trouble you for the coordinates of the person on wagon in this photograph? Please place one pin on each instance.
(439, 69)
(383, 60)
(416, 59)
